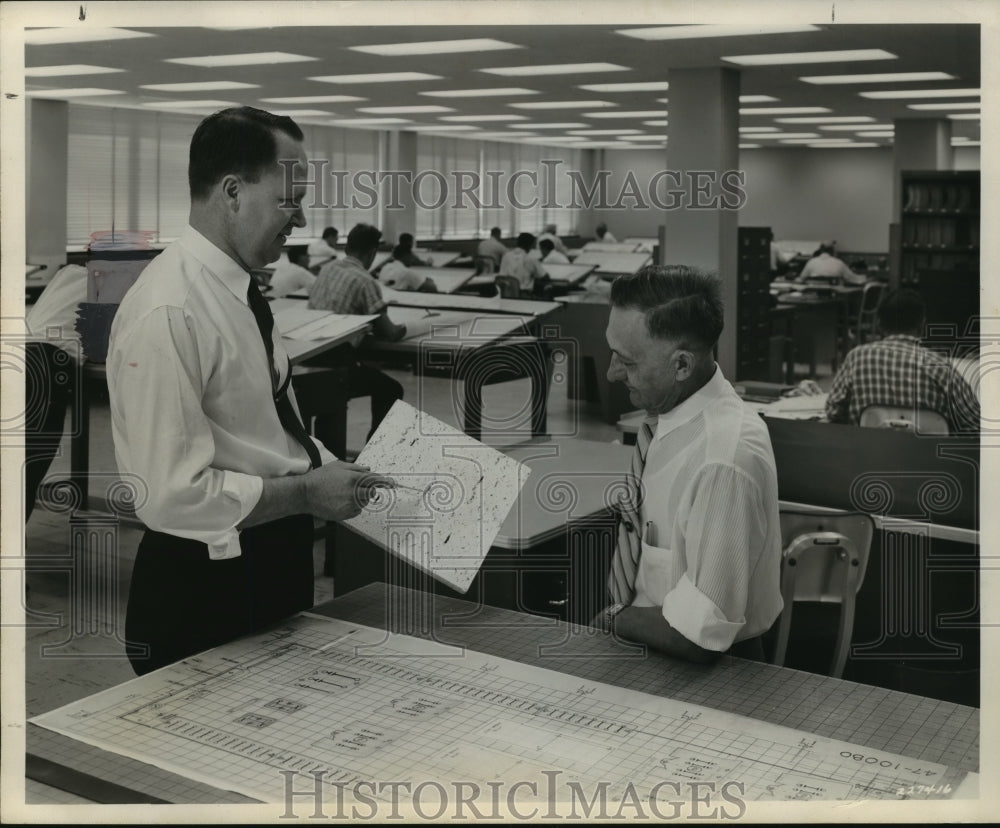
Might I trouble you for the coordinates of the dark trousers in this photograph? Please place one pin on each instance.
(324, 395)
(181, 602)
(751, 649)
(49, 380)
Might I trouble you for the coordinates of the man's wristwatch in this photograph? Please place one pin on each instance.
(610, 612)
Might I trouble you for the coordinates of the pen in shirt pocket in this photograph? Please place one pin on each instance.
(650, 535)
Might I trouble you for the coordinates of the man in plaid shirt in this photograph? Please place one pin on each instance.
(897, 371)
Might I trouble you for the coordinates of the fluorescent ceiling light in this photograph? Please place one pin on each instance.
(881, 134)
(937, 106)
(479, 93)
(484, 117)
(659, 123)
(564, 125)
(833, 56)
(199, 86)
(83, 92)
(377, 77)
(758, 129)
(891, 94)
(782, 110)
(606, 132)
(68, 69)
(560, 104)
(854, 145)
(787, 140)
(709, 30)
(511, 134)
(301, 113)
(636, 86)
(966, 116)
(778, 135)
(965, 143)
(884, 77)
(749, 146)
(436, 47)
(649, 113)
(314, 99)
(245, 59)
(83, 34)
(660, 138)
(554, 69)
(855, 127)
(757, 99)
(368, 121)
(441, 128)
(405, 110)
(189, 104)
(828, 119)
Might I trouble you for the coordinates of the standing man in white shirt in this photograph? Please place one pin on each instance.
(202, 412)
(696, 570)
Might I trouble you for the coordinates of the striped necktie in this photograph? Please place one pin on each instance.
(625, 564)
(286, 413)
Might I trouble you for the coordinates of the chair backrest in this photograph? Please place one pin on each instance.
(485, 264)
(508, 286)
(901, 418)
(824, 558)
(871, 296)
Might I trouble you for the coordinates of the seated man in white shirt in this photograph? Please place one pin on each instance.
(549, 253)
(603, 234)
(291, 276)
(549, 234)
(825, 267)
(202, 413)
(530, 274)
(696, 570)
(322, 250)
(492, 249)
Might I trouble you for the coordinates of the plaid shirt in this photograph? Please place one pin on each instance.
(897, 371)
(344, 286)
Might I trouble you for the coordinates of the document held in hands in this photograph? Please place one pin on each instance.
(452, 495)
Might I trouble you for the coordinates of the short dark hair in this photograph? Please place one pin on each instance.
(235, 140)
(496, 232)
(330, 231)
(546, 244)
(680, 302)
(525, 241)
(405, 240)
(363, 238)
(902, 311)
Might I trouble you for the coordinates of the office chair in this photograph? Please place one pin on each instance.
(824, 560)
(871, 298)
(508, 286)
(901, 418)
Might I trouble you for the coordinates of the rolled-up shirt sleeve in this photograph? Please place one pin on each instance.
(163, 437)
(708, 605)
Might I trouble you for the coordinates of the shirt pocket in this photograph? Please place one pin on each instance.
(659, 570)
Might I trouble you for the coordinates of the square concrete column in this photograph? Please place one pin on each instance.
(47, 156)
(703, 155)
(919, 144)
(399, 211)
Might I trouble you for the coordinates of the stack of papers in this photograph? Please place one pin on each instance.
(308, 324)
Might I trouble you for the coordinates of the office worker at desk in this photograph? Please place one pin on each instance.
(825, 267)
(492, 248)
(202, 414)
(897, 371)
(696, 570)
(346, 286)
(530, 274)
(323, 250)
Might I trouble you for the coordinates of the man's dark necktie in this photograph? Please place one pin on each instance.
(286, 413)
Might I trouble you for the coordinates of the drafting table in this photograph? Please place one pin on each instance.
(610, 247)
(461, 301)
(298, 350)
(447, 279)
(571, 273)
(476, 348)
(922, 729)
(614, 262)
(644, 244)
(437, 258)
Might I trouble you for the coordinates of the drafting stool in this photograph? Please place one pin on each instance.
(865, 324)
(824, 560)
(902, 418)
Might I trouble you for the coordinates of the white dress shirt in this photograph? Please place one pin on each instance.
(290, 278)
(52, 318)
(320, 252)
(192, 411)
(711, 551)
(521, 266)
